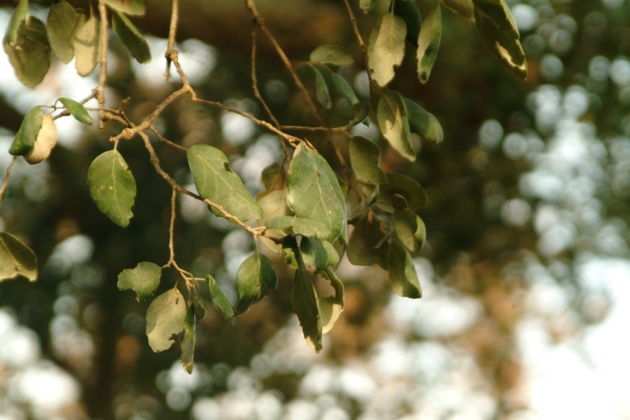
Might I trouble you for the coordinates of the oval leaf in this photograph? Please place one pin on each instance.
(367, 244)
(321, 90)
(365, 157)
(62, 23)
(112, 186)
(408, 10)
(498, 14)
(392, 119)
(87, 46)
(188, 341)
(220, 299)
(346, 89)
(130, 7)
(331, 307)
(332, 54)
(299, 226)
(423, 123)
(29, 55)
(254, 279)
(18, 18)
(16, 258)
(387, 47)
(143, 279)
(24, 140)
(407, 187)
(406, 226)
(131, 37)
(402, 273)
(165, 318)
(45, 141)
(304, 302)
(502, 45)
(77, 110)
(429, 43)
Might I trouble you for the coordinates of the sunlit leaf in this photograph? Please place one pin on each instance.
(188, 340)
(365, 159)
(429, 43)
(112, 186)
(331, 307)
(332, 54)
(143, 279)
(254, 279)
(220, 299)
(18, 18)
(402, 273)
(304, 302)
(165, 318)
(405, 186)
(16, 258)
(62, 23)
(463, 8)
(421, 232)
(408, 10)
(28, 48)
(77, 110)
(346, 89)
(25, 138)
(44, 142)
(392, 120)
(87, 46)
(130, 7)
(299, 226)
(498, 14)
(216, 182)
(423, 123)
(131, 37)
(313, 191)
(387, 47)
(321, 89)
(406, 226)
(367, 5)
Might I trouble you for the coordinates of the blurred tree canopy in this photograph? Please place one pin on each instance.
(528, 184)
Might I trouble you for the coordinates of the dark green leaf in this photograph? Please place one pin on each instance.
(332, 54)
(365, 157)
(197, 301)
(367, 242)
(188, 340)
(299, 226)
(304, 302)
(429, 43)
(254, 279)
(165, 318)
(313, 191)
(77, 110)
(331, 307)
(392, 120)
(406, 226)
(112, 186)
(15, 28)
(27, 134)
(402, 273)
(321, 90)
(463, 8)
(62, 23)
(143, 279)
(367, 5)
(29, 54)
(423, 123)
(387, 47)
(87, 46)
(131, 37)
(16, 258)
(408, 10)
(498, 14)
(406, 186)
(216, 182)
(346, 89)
(130, 7)
(220, 299)
(314, 253)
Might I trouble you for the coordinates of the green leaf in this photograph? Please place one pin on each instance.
(15, 28)
(87, 46)
(254, 279)
(188, 341)
(387, 47)
(304, 302)
(402, 273)
(367, 242)
(165, 318)
(498, 14)
(29, 53)
(77, 110)
(143, 279)
(367, 5)
(27, 134)
(464, 8)
(16, 258)
(197, 301)
(429, 43)
(502, 45)
(131, 37)
(130, 7)
(216, 182)
(406, 226)
(408, 10)
(392, 120)
(314, 253)
(62, 23)
(365, 157)
(346, 89)
(423, 123)
(299, 226)
(220, 299)
(421, 232)
(273, 204)
(273, 178)
(332, 306)
(321, 90)
(332, 54)
(44, 142)
(112, 186)
(313, 191)
(405, 186)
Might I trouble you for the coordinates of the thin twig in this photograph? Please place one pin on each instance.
(172, 33)
(171, 228)
(5, 186)
(165, 140)
(102, 78)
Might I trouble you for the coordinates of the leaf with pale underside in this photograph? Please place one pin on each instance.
(365, 159)
(407, 187)
(423, 123)
(220, 299)
(321, 89)
(77, 110)
(330, 307)
(44, 142)
(332, 54)
(188, 341)
(392, 120)
(130, 7)
(143, 279)
(304, 302)
(62, 23)
(254, 279)
(429, 43)
(387, 47)
(165, 318)
(313, 191)
(25, 138)
(402, 272)
(216, 182)
(464, 8)
(87, 46)
(298, 226)
(16, 258)
(112, 186)
(28, 49)
(408, 10)
(131, 37)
